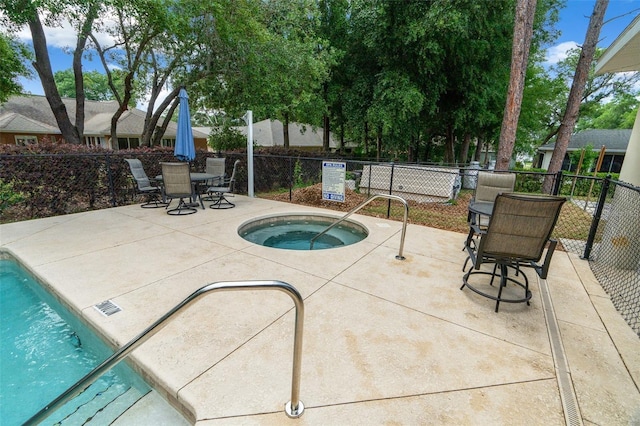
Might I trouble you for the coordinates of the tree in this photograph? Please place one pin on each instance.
(619, 113)
(96, 85)
(28, 13)
(12, 66)
(577, 89)
(522, 34)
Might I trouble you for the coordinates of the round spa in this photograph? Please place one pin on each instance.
(295, 231)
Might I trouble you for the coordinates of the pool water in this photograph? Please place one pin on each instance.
(45, 350)
(294, 232)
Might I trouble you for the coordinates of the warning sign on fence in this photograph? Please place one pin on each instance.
(333, 174)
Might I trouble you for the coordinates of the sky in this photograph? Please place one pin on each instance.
(573, 22)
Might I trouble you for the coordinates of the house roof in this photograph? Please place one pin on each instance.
(12, 122)
(32, 114)
(624, 52)
(614, 140)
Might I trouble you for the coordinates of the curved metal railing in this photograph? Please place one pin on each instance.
(293, 408)
(361, 205)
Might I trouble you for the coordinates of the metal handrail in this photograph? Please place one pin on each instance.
(361, 205)
(293, 408)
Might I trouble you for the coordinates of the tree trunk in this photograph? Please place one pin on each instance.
(366, 139)
(325, 122)
(522, 33)
(476, 155)
(378, 144)
(449, 154)
(285, 130)
(158, 132)
(464, 151)
(575, 95)
(43, 67)
(325, 134)
(92, 13)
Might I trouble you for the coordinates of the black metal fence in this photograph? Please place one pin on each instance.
(614, 249)
(600, 221)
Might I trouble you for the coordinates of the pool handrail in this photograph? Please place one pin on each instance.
(361, 205)
(293, 408)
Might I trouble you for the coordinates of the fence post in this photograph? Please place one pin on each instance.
(390, 190)
(596, 217)
(557, 183)
(290, 179)
(112, 189)
(369, 182)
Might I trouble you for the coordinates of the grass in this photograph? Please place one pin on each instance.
(574, 223)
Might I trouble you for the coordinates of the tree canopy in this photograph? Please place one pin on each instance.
(414, 80)
(12, 66)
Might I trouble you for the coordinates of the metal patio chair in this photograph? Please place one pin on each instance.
(214, 166)
(176, 178)
(218, 194)
(145, 185)
(519, 230)
(489, 185)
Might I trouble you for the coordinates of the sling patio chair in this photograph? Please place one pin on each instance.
(218, 194)
(519, 230)
(214, 166)
(145, 185)
(176, 178)
(488, 186)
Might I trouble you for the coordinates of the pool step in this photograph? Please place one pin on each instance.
(101, 404)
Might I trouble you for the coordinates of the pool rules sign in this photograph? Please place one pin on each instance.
(333, 174)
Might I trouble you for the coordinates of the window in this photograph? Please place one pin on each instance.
(24, 140)
(169, 142)
(128, 143)
(94, 141)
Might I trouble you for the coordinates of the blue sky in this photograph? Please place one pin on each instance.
(574, 19)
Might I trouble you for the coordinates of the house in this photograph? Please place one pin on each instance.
(28, 119)
(267, 133)
(615, 142)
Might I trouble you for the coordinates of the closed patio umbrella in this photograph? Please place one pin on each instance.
(184, 150)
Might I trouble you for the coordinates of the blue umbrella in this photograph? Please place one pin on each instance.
(184, 150)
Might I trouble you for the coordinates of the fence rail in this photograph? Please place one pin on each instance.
(600, 222)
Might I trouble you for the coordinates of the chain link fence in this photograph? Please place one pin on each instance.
(599, 222)
(615, 249)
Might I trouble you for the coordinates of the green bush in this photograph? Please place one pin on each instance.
(8, 196)
(226, 138)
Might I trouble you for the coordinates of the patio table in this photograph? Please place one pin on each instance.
(477, 209)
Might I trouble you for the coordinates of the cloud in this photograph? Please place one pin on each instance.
(63, 36)
(557, 53)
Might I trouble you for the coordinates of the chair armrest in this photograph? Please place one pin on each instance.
(543, 269)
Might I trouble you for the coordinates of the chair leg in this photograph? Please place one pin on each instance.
(182, 209)
(222, 203)
(504, 279)
(503, 282)
(154, 201)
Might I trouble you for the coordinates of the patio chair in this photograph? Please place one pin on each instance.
(519, 229)
(216, 167)
(219, 193)
(177, 184)
(488, 186)
(145, 185)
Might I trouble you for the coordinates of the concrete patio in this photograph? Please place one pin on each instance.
(385, 341)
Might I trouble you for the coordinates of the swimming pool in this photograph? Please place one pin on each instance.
(45, 350)
(295, 231)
